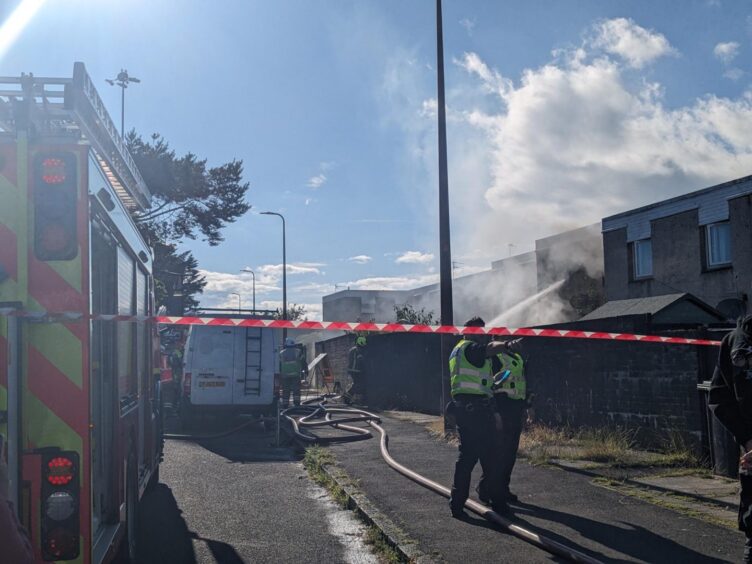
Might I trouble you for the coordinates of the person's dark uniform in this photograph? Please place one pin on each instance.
(356, 361)
(731, 402)
(292, 368)
(510, 394)
(474, 411)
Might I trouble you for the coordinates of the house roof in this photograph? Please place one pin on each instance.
(658, 305)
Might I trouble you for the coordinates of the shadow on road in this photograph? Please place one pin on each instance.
(631, 540)
(222, 552)
(164, 537)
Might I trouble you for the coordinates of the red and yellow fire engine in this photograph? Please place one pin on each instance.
(79, 397)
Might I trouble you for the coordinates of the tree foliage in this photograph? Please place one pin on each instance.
(295, 312)
(412, 316)
(189, 201)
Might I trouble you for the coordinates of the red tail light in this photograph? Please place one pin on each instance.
(60, 520)
(55, 207)
(187, 384)
(60, 471)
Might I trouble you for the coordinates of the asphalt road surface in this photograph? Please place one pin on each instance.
(241, 499)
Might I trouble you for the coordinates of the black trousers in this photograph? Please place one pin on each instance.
(290, 385)
(476, 429)
(505, 447)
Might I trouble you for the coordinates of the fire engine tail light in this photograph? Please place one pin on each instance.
(60, 471)
(55, 207)
(60, 544)
(61, 525)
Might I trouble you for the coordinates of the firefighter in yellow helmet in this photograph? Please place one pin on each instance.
(356, 369)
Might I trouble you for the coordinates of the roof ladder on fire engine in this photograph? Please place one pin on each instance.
(252, 380)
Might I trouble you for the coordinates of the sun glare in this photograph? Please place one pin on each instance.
(12, 27)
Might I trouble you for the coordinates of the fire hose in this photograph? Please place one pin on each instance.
(307, 417)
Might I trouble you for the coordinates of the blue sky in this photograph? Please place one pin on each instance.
(559, 113)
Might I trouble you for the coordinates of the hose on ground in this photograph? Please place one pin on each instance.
(302, 418)
(181, 437)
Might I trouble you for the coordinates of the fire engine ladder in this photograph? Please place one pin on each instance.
(252, 380)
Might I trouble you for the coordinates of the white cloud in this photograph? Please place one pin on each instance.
(468, 24)
(576, 141)
(275, 270)
(392, 282)
(734, 73)
(414, 257)
(635, 44)
(360, 259)
(309, 201)
(317, 181)
(726, 52)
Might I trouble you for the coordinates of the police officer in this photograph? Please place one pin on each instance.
(474, 411)
(731, 401)
(510, 393)
(292, 368)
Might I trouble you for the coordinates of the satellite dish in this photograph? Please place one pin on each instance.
(732, 308)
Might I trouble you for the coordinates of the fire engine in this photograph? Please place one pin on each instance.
(79, 392)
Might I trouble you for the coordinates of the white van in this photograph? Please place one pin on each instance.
(229, 370)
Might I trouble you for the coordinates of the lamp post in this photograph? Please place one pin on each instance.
(122, 80)
(253, 275)
(284, 264)
(238, 295)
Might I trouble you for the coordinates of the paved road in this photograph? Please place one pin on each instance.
(239, 500)
(559, 504)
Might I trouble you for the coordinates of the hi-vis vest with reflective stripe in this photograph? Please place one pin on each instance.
(467, 378)
(511, 375)
(290, 362)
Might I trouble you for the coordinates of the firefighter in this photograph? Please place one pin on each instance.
(474, 411)
(356, 364)
(292, 368)
(731, 401)
(510, 394)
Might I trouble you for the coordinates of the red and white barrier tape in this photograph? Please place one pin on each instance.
(355, 326)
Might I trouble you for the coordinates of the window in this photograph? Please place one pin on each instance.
(643, 258)
(718, 244)
(127, 383)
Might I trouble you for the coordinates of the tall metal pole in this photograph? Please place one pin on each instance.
(284, 268)
(445, 250)
(253, 276)
(122, 110)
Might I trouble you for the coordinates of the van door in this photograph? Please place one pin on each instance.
(212, 366)
(254, 366)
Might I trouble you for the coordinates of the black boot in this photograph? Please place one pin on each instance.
(748, 551)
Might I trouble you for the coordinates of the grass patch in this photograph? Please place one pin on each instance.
(381, 547)
(315, 460)
(614, 447)
(436, 430)
(675, 502)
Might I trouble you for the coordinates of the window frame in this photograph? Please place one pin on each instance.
(636, 275)
(709, 264)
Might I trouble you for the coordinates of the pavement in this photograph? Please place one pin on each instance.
(562, 505)
(239, 499)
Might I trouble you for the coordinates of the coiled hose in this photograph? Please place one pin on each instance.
(304, 417)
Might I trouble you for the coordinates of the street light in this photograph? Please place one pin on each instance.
(238, 295)
(122, 80)
(284, 264)
(253, 275)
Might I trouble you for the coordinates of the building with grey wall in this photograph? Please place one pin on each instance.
(561, 280)
(700, 243)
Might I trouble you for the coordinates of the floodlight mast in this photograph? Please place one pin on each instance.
(122, 80)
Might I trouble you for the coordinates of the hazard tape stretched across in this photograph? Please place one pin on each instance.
(360, 327)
